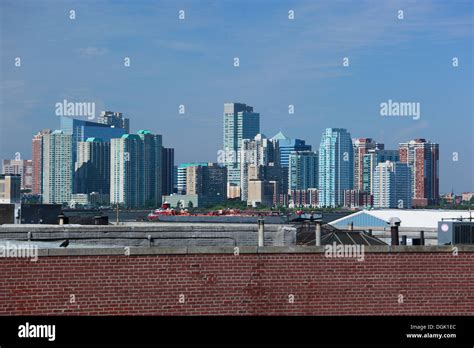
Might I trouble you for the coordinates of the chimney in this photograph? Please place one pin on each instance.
(318, 234)
(261, 233)
(394, 224)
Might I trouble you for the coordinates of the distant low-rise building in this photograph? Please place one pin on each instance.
(467, 196)
(189, 201)
(22, 167)
(358, 199)
(304, 198)
(10, 192)
(260, 192)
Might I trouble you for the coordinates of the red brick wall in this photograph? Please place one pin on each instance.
(248, 284)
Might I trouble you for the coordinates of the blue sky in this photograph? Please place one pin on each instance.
(282, 62)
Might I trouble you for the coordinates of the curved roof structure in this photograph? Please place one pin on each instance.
(412, 218)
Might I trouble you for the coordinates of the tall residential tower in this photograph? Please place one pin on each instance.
(57, 168)
(423, 158)
(240, 122)
(336, 166)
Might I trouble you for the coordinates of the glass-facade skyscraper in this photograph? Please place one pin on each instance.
(303, 170)
(240, 122)
(92, 167)
(336, 166)
(287, 146)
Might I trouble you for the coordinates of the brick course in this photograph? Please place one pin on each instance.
(432, 283)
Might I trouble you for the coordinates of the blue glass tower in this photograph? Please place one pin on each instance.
(287, 146)
(336, 166)
(82, 130)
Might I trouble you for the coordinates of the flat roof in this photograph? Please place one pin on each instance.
(415, 218)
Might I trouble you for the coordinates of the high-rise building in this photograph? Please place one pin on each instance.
(361, 147)
(303, 170)
(167, 171)
(288, 146)
(115, 119)
(181, 175)
(369, 163)
(24, 168)
(57, 168)
(240, 122)
(10, 188)
(423, 158)
(175, 179)
(82, 130)
(194, 180)
(207, 181)
(259, 151)
(152, 147)
(135, 169)
(37, 159)
(392, 185)
(336, 166)
(92, 167)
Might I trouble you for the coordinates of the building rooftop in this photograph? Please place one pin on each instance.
(280, 136)
(414, 218)
(143, 131)
(350, 238)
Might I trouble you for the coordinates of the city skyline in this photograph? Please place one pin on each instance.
(389, 60)
(128, 168)
(352, 147)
